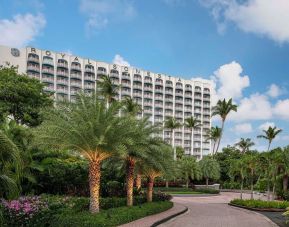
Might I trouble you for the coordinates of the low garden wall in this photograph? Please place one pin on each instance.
(213, 186)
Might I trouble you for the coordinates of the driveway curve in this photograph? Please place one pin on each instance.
(214, 211)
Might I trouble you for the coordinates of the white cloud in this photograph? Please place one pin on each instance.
(229, 83)
(254, 107)
(119, 60)
(281, 109)
(21, 30)
(274, 91)
(101, 12)
(266, 125)
(243, 128)
(263, 17)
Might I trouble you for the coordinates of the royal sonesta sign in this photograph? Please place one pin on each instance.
(114, 66)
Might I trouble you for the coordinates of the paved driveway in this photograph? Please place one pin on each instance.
(213, 211)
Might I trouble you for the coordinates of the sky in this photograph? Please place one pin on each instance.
(242, 46)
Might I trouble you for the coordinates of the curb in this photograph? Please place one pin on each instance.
(169, 217)
(194, 195)
(258, 209)
(255, 212)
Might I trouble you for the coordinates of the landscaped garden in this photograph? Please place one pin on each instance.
(94, 162)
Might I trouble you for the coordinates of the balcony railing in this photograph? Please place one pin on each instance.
(89, 70)
(75, 84)
(33, 59)
(47, 79)
(61, 73)
(89, 78)
(62, 65)
(125, 76)
(65, 82)
(49, 71)
(33, 68)
(76, 67)
(75, 75)
(49, 88)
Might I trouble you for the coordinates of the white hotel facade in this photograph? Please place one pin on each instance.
(159, 95)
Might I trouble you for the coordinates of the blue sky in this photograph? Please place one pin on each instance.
(243, 46)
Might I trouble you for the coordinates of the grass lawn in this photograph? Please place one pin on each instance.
(111, 217)
(184, 191)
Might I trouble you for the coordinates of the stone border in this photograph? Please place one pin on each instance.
(170, 217)
(258, 209)
(194, 195)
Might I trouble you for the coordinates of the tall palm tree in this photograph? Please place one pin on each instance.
(159, 164)
(90, 128)
(264, 167)
(270, 135)
(238, 168)
(138, 151)
(252, 164)
(214, 134)
(10, 164)
(210, 169)
(189, 169)
(107, 89)
(223, 108)
(245, 144)
(172, 124)
(192, 123)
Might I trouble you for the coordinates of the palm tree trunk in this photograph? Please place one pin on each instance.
(269, 145)
(214, 147)
(94, 183)
(187, 183)
(252, 184)
(129, 182)
(273, 191)
(268, 190)
(285, 182)
(207, 182)
(192, 151)
(241, 195)
(150, 189)
(219, 141)
(167, 183)
(138, 182)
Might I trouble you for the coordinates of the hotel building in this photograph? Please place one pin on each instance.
(159, 95)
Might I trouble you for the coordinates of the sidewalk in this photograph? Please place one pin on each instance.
(150, 220)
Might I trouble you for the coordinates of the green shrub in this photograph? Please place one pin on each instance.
(250, 203)
(208, 191)
(231, 185)
(110, 217)
(286, 214)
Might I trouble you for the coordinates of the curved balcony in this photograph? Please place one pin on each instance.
(89, 70)
(76, 67)
(138, 79)
(125, 84)
(33, 68)
(125, 76)
(74, 92)
(63, 74)
(198, 97)
(89, 78)
(48, 79)
(148, 81)
(48, 62)
(179, 101)
(148, 88)
(62, 65)
(158, 97)
(137, 94)
(48, 71)
(159, 83)
(48, 88)
(206, 98)
(62, 82)
(125, 92)
(179, 108)
(114, 75)
(159, 90)
(75, 76)
(188, 94)
(75, 84)
(138, 87)
(148, 111)
(150, 96)
(33, 59)
(160, 105)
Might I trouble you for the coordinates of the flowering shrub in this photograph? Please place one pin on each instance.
(26, 211)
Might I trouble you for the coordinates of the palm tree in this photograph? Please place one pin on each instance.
(244, 144)
(131, 107)
(210, 169)
(285, 167)
(252, 164)
(107, 89)
(10, 164)
(238, 168)
(138, 151)
(189, 169)
(192, 123)
(214, 134)
(270, 135)
(223, 108)
(265, 163)
(90, 128)
(159, 164)
(171, 123)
